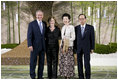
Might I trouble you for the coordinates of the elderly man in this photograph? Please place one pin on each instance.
(85, 42)
(36, 44)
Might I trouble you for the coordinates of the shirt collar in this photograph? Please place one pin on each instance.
(83, 25)
(38, 21)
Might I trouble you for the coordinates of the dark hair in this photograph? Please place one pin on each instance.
(82, 14)
(49, 19)
(66, 15)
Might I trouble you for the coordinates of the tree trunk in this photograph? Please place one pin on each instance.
(82, 7)
(9, 39)
(99, 23)
(113, 27)
(115, 38)
(19, 21)
(107, 25)
(13, 23)
(96, 27)
(92, 7)
(72, 11)
(85, 9)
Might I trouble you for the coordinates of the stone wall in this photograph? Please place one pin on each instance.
(27, 14)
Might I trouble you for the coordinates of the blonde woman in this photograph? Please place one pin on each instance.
(52, 36)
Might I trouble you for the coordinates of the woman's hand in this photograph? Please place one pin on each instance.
(62, 51)
(30, 48)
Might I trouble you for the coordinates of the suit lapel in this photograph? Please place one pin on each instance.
(79, 31)
(85, 31)
(43, 27)
(37, 26)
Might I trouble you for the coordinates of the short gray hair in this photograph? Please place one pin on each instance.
(39, 11)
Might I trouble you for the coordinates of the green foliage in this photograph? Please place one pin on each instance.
(102, 49)
(106, 49)
(113, 47)
(9, 45)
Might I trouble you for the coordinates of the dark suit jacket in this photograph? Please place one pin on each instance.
(86, 42)
(34, 36)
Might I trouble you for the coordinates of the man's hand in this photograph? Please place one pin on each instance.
(30, 48)
(92, 51)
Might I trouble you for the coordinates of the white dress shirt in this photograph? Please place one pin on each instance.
(39, 23)
(83, 26)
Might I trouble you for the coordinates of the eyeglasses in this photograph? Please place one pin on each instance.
(81, 19)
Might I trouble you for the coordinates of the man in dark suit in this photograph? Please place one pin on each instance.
(36, 44)
(84, 43)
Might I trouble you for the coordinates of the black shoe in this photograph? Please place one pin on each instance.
(54, 78)
(40, 78)
(49, 78)
(33, 78)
